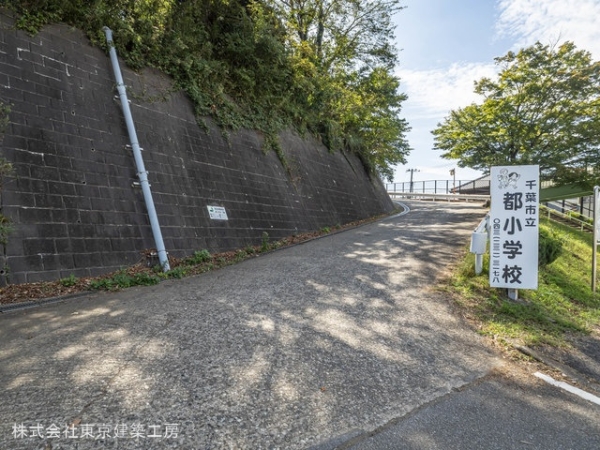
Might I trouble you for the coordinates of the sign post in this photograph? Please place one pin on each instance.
(514, 224)
(596, 236)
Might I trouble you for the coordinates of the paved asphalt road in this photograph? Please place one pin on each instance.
(314, 346)
(499, 412)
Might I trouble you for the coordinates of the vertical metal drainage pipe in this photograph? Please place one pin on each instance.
(137, 154)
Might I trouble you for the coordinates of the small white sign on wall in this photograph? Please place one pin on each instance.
(514, 223)
(217, 213)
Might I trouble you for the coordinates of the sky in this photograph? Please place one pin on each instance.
(445, 46)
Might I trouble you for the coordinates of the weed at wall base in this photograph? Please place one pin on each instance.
(122, 280)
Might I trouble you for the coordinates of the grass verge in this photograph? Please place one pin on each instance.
(562, 305)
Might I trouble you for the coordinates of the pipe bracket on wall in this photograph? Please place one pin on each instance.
(137, 154)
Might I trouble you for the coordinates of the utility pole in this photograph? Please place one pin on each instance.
(412, 171)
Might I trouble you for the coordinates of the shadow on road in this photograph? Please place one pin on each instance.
(335, 336)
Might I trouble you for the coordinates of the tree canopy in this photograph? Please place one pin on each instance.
(320, 66)
(542, 108)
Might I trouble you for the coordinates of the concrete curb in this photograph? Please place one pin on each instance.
(13, 307)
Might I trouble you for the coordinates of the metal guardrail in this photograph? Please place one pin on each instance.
(474, 187)
(466, 197)
(579, 223)
(586, 209)
(433, 197)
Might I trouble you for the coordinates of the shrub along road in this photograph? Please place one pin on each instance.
(310, 346)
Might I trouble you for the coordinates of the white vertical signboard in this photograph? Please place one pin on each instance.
(514, 222)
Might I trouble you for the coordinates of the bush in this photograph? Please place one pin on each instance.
(70, 281)
(243, 64)
(265, 246)
(550, 246)
(122, 280)
(199, 257)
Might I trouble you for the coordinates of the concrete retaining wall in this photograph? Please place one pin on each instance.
(72, 197)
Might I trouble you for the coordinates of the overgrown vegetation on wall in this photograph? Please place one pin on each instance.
(321, 66)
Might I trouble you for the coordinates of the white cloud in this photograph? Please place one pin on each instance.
(551, 21)
(433, 93)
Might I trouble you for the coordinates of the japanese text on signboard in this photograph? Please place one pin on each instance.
(514, 227)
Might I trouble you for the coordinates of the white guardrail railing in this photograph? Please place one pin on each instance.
(433, 197)
(549, 212)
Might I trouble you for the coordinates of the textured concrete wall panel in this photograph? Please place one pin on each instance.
(73, 200)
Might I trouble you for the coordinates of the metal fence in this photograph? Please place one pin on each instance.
(474, 187)
(583, 206)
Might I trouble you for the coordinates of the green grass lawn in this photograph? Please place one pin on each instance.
(562, 305)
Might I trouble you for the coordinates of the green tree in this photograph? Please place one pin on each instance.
(344, 62)
(368, 113)
(341, 32)
(542, 108)
(322, 66)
